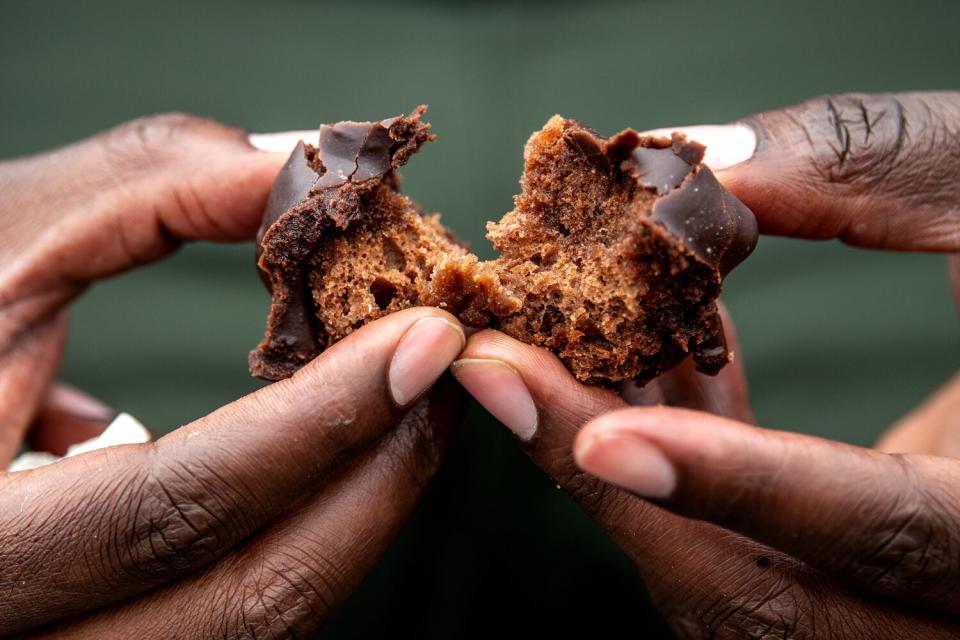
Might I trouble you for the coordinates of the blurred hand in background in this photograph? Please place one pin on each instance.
(745, 532)
(247, 522)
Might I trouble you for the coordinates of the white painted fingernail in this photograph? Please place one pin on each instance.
(727, 144)
(31, 460)
(125, 429)
(282, 141)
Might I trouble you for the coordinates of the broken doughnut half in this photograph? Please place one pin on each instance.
(612, 258)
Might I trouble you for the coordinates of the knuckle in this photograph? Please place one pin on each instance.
(291, 594)
(855, 139)
(176, 524)
(143, 142)
(163, 128)
(773, 609)
(774, 616)
(911, 544)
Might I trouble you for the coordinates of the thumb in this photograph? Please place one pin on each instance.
(152, 513)
(126, 197)
(872, 170)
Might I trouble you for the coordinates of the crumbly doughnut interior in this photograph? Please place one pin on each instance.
(584, 270)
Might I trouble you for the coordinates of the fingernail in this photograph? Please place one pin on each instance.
(629, 462)
(423, 354)
(727, 144)
(125, 429)
(282, 141)
(500, 389)
(77, 403)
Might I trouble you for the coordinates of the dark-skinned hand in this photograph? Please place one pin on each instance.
(255, 521)
(742, 532)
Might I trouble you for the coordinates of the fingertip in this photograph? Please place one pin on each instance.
(529, 361)
(488, 340)
(528, 388)
(627, 460)
(627, 418)
(501, 390)
(415, 314)
(554, 388)
(423, 353)
(400, 355)
(668, 426)
(394, 324)
(477, 338)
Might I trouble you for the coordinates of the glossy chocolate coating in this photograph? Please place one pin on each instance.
(348, 157)
(292, 185)
(321, 191)
(706, 219)
(292, 327)
(319, 187)
(659, 169)
(709, 220)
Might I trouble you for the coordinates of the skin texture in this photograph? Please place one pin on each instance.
(221, 528)
(742, 532)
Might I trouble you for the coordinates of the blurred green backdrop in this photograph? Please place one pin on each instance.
(837, 342)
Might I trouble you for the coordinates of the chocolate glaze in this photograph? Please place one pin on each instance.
(354, 152)
(374, 157)
(294, 327)
(323, 187)
(292, 185)
(317, 188)
(707, 220)
(712, 354)
(659, 169)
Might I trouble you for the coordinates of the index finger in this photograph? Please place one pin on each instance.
(872, 170)
(127, 197)
(709, 582)
(884, 523)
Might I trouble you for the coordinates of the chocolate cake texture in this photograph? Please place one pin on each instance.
(612, 258)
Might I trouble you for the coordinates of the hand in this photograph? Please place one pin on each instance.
(744, 532)
(257, 519)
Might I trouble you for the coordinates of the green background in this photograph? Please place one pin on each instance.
(837, 342)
